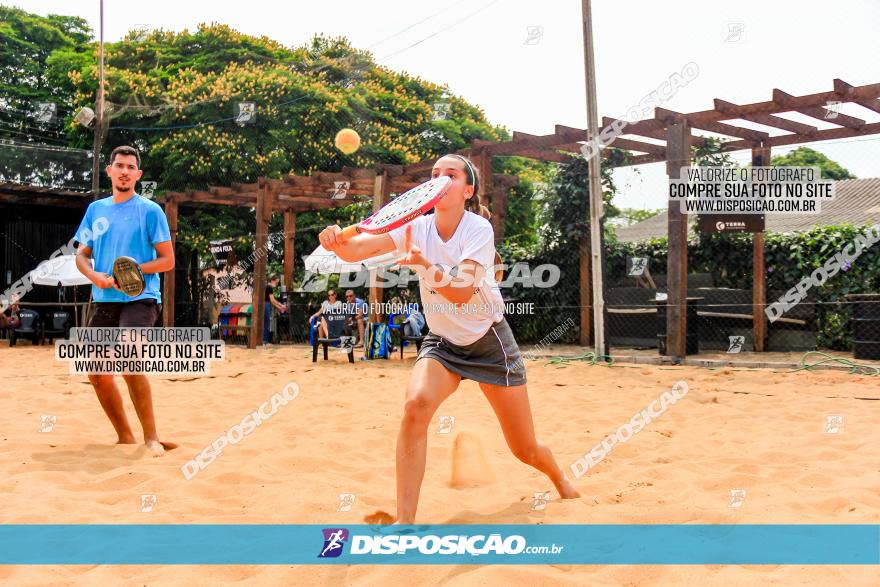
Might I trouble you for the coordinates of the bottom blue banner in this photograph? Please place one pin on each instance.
(71, 544)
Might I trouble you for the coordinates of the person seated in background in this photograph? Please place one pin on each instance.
(358, 309)
(330, 305)
(415, 320)
(271, 302)
(9, 317)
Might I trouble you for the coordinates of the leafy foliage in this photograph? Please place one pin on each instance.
(789, 257)
(807, 157)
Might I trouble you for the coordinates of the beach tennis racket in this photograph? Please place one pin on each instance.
(402, 209)
(129, 277)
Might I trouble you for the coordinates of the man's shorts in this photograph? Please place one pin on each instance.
(136, 314)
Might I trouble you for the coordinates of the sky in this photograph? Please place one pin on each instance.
(522, 61)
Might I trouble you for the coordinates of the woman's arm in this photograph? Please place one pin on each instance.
(362, 246)
(458, 289)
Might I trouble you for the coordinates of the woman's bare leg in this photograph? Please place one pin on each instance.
(429, 384)
(511, 406)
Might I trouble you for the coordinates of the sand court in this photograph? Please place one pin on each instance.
(757, 437)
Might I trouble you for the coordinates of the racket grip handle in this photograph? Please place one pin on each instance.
(349, 232)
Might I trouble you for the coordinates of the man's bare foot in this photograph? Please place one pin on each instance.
(155, 447)
(126, 440)
(566, 489)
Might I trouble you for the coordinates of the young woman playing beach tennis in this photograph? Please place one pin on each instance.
(460, 345)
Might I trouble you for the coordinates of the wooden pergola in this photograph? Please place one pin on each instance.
(672, 129)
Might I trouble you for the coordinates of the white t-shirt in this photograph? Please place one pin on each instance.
(473, 239)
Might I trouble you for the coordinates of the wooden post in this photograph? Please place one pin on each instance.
(264, 213)
(289, 257)
(586, 310)
(483, 162)
(760, 158)
(678, 155)
(499, 212)
(381, 191)
(168, 289)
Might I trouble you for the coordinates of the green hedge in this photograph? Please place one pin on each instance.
(789, 257)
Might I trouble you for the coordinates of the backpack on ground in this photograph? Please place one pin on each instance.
(378, 338)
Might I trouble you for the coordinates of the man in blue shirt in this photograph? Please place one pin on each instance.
(125, 224)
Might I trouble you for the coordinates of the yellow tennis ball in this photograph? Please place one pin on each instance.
(347, 141)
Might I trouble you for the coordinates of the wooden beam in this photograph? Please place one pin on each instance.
(321, 184)
(774, 107)
(245, 187)
(793, 103)
(765, 119)
(263, 210)
(832, 117)
(711, 126)
(289, 257)
(646, 131)
(392, 169)
(678, 155)
(300, 207)
(870, 104)
(845, 91)
(168, 289)
(227, 200)
(620, 143)
(359, 172)
(642, 159)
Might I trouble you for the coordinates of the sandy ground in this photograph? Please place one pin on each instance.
(758, 430)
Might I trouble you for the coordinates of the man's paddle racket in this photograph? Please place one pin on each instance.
(128, 276)
(402, 209)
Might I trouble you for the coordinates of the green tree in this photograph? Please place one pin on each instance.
(30, 77)
(630, 216)
(566, 211)
(807, 157)
(173, 95)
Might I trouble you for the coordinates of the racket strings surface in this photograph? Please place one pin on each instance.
(408, 202)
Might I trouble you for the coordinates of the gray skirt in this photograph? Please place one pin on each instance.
(494, 359)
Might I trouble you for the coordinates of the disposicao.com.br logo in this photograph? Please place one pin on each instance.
(430, 544)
